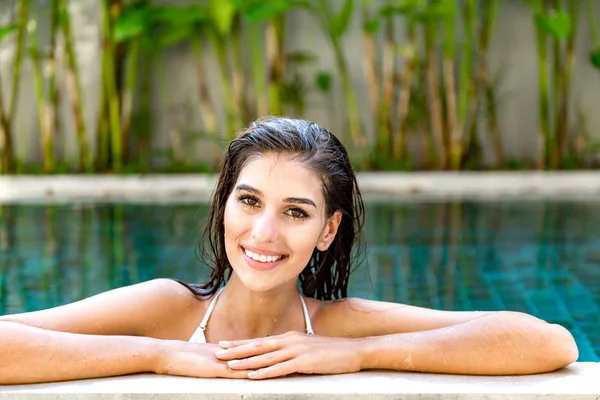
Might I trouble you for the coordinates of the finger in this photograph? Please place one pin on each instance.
(281, 369)
(262, 361)
(222, 371)
(255, 348)
(234, 343)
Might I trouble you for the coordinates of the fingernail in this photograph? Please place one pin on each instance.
(251, 374)
(220, 352)
(224, 342)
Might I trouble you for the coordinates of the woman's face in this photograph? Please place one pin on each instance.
(274, 219)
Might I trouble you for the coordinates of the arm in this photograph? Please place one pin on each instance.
(32, 355)
(498, 343)
(114, 333)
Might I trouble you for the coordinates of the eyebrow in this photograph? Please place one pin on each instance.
(297, 200)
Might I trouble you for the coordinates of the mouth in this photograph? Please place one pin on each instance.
(262, 261)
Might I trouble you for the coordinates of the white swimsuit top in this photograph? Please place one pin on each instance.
(198, 336)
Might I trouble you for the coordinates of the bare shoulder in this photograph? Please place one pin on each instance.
(156, 308)
(357, 317)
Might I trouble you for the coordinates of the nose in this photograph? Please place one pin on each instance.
(265, 228)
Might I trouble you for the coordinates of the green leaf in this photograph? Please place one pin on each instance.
(261, 10)
(176, 15)
(339, 22)
(595, 58)
(410, 6)
(301, 56)
(324, 81)
(175, 35)
(371, 26)
(556, 23)
(6, 30)
(404, 7)
(222, 13)
(131, 23)
(437, 11)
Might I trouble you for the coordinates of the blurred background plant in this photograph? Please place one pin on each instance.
(425, 71)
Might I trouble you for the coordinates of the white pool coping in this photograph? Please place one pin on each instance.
(578, 381)
(199, 187)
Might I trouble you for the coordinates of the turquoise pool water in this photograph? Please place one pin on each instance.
(540, 257)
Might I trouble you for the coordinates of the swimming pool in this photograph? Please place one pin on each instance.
(540, 257)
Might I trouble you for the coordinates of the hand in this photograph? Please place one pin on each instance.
(290, 353)
(193, 359)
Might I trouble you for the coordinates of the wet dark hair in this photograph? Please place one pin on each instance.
(326, 275)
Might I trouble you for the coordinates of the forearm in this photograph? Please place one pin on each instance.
(494, 344)
(32, 355)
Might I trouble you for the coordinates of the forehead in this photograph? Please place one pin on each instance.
(280, 173)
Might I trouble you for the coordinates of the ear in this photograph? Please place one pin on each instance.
(329, 231)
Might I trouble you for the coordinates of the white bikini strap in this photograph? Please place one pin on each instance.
(309, 329)
(210, 310)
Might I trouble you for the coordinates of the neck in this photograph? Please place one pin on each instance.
(253, 314)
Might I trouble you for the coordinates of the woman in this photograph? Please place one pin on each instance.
(286, 214)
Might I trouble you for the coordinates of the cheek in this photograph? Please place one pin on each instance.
(233, 220)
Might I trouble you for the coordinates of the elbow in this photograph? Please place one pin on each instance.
(550, 346)
(561, 347)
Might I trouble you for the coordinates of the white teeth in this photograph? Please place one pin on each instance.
(261, 257)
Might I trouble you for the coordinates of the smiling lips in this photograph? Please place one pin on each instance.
(262, 257)
(262, 262)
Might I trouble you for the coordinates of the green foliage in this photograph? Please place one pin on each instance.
(437, 10)
(6, 30)
(595, 58)
(222, 13)
(261, 10)
(339, 22)
(558, 24)
(133, 22)
(142, 30)
(372, 26)
(324, 81)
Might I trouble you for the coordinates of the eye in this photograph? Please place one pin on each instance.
(248, 201)
(297, 213)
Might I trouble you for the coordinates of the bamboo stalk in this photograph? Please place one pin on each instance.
(257, 37)
(133, 56)
(385, 114)
(466, 85)
(45, 119)
(7, 116)
(354, 122)
(110, 87)
(594, 31)
(239, 78)
(23, 19)
(556, 81)
(433, 96)
(543, 83)
(7, 163)
(74, 86)
(275, 61)
(452, 135)
(209, 114)
(369, 63)
(102, 137)
(145, 131)
(490, 14)
(405, 92)
(220, 47)
(53, 90)
(565, 88)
